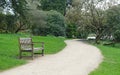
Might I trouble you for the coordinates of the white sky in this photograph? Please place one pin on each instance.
(106, 3)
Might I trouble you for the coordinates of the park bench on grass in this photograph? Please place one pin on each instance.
(109, 43)
(27, 45)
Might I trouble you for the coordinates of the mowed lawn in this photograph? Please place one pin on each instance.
(111, 63)
(9, 49)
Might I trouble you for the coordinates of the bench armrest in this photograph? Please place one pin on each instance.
(40, 43)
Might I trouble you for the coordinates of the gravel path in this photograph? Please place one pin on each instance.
(77, 58)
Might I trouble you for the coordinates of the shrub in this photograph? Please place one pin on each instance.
(117, 35)
(57, 5)
(7, 23)
(71, 30)
(50, 23)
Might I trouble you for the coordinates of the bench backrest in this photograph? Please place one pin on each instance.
(25, 43)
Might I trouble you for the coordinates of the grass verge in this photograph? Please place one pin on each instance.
(9, 49)
(111, 63)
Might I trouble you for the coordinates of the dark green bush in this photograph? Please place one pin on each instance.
(57, 5)
(117, 35)
(71, 30)
(2, 22)
(50, 23)
(7, 23)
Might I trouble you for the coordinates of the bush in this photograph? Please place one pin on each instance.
(2, 22)
(7, 23)
(57, 5)
(50, 23)
(117, 35)
(71, 30)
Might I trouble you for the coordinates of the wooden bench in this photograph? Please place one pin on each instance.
(110, 43)
(27, 45)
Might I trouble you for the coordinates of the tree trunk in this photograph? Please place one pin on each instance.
(97, 39)
(17, 30)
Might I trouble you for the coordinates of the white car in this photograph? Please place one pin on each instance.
(91, 38)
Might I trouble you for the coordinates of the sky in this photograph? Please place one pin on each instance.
(105, 4)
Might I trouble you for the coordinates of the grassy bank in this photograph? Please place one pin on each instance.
(111, 63)
(9, 49)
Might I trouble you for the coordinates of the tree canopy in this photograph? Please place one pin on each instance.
(113, 21)
(58, 5)
(81, 17)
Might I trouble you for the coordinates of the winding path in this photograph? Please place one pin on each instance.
(77, 58)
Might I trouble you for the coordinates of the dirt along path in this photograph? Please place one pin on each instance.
(77, 58)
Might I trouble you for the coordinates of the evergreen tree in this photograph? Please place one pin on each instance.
(58, 5)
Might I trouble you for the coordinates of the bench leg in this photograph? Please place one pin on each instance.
(20, 55)
(32, 55)
(42, 52)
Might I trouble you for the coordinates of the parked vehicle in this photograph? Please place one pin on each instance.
(91, 37)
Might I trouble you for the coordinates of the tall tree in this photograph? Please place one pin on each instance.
(89, 16)
(2, 3)
(113, 21)
(96, 18)
(20, 10)
(58, 5)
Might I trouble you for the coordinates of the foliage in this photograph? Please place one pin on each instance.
(7, 23)
(57, 5)
(117, 35)
(2, 23)
(20, 13)
(56, 23)
(9, 49)
(10, 22)
(72, 19)
(113, 21)
(48, 23)
(19, 17)
(89, 16)
(71, 31)
(2, 3)
(86, 22)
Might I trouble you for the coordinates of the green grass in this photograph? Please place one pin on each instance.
(9, 49)
(111, 63)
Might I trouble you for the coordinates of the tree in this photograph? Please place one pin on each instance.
(2, 3)
(71, 31)
(96, 19)
(76, 17)
(2, 22)
(58, 5)
(89, 16)
(113, 21)
(20, 10)
(6, 23)
(48, 23)
(10, 23)
(19, 16)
